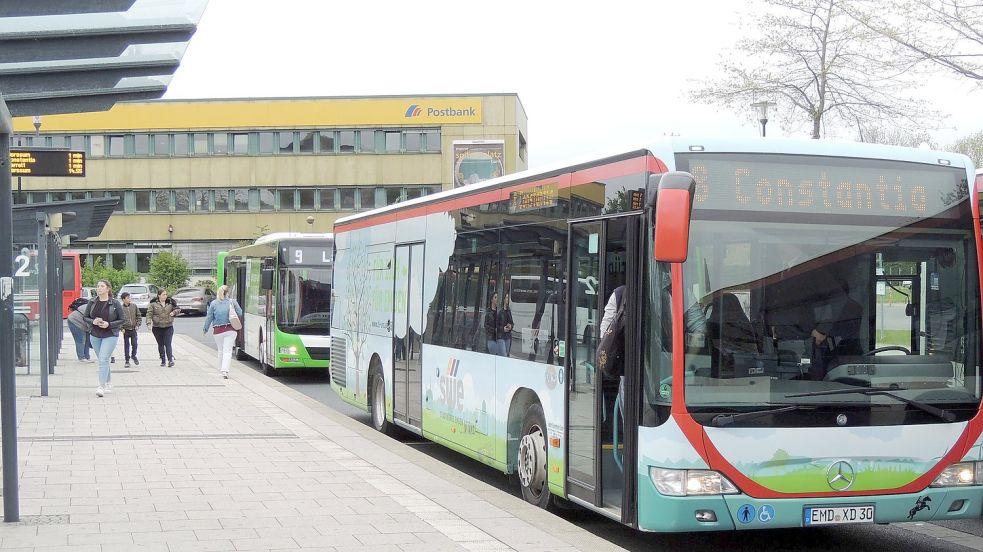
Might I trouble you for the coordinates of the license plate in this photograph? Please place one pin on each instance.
(838, 515)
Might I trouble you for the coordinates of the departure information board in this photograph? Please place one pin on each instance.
(44, 162)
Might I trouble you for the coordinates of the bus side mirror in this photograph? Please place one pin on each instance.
(266, 279)
(672, 210)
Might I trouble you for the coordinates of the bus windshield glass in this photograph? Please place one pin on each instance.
(810, 279)
(305, 300)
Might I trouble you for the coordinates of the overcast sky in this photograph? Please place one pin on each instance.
(592, 78)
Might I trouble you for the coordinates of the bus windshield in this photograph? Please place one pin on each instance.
(824, 279)
(305, 300)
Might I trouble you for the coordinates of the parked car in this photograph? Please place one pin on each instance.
(140, 295)
(194, 299)
(88, 293)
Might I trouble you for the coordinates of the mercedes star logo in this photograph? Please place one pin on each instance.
(840, 475)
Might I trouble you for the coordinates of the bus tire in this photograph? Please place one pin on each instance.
(532, 460)
(268, 369)
(378, 404)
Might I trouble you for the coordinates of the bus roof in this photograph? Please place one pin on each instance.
(277, 236)
(669, 146)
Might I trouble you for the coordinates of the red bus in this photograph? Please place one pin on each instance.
(71, 280)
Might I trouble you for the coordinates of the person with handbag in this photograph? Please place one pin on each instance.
(160, 318)
(104, 315)
(224, 316)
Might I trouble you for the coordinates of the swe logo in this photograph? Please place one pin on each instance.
(451, 388)
(413, 111)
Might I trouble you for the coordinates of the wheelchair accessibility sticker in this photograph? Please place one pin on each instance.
(766, 514)
(746, 514)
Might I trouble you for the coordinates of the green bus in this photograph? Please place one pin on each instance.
(283, 283)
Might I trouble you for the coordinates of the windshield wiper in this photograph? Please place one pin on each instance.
(933, 410)
(727, 419)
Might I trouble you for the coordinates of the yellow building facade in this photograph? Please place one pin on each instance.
(200, 176)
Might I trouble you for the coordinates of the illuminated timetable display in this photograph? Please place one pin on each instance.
(39, 162)
(540, 197)
(798, 184)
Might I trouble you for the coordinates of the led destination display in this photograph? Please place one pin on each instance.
(39, 162)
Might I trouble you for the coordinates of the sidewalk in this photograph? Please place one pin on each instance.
(181, 459)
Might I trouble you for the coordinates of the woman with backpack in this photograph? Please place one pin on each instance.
(105, 315)
(219, 318)
(160, 319)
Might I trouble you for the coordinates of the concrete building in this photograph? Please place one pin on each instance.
(200, 176)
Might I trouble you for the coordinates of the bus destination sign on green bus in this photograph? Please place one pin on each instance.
(307, 255)
(41, 162)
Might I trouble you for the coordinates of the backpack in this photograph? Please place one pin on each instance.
(611, 348)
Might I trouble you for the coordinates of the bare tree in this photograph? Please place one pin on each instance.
(945, 33)
(821, 66)
(893, 136)
(356, 299)
(971, 146)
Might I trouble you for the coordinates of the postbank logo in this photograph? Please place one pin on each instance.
(441, 111)
(451, 387)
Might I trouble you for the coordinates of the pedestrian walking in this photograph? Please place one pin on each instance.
(132, 315)
(218, 318)
(105, 315)
(76, 325)
(160, 319)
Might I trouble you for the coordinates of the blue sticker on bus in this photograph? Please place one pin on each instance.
(766, 514)
(746, 513)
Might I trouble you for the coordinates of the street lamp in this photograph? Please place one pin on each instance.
(310, 221)
(37, 126)
(762, 108)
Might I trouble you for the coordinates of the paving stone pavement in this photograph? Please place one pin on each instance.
(181, 459)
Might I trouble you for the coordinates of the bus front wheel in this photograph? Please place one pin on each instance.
(378, 394)
(532, 458)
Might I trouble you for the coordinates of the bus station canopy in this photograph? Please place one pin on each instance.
(90, 217)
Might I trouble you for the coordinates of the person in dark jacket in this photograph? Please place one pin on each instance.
(496, 328)
(105, 315)
(160, 318)
(130, 327)
(81, 337)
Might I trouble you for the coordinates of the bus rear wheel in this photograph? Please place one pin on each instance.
(532, 469)
(378, 407)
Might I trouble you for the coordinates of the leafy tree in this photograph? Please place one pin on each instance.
(117, 278)
(169, 270)
(813, 59)
(943, 33)
(971, 146)
(207, 284)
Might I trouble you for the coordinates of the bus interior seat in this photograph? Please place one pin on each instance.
(728, 326)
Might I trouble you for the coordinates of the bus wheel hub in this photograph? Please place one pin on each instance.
(532, 459)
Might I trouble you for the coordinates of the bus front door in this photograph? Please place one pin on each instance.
(407, 336)
(604, 255)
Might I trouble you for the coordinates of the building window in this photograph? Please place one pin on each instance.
(346, 141)
(39, 197)
(367, 140)
(306, 142)
(266, 199)
(221, 142)
(75, 196)
(414, 140)
(143, 262)
(201, 200)
(327, 199)
(240, 144)
(522, 147)
(393, 194)
(266, 142)
(97, 146)
(20, 198)
(120, 206)
(286, 142)
(201, 144)
(162, 201)
(306, 199)
(180, 144)
(116, 146)
(413, 193)
(366, 198)
(286, 199)
(221, 200)
(347, 198)
(77, 142)
(393, 141)
(182, 201)
(141, 201)
(162, 144)
(241, 199)
(326, 141)
(432, 140)
(141, 144)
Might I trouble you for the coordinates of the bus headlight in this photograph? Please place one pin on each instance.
(288, 350)
(690, 482)
(960, 475)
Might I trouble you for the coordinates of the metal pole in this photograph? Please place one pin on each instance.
(43, 288)
(8, 382)
(764, 122)
(54, 305)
